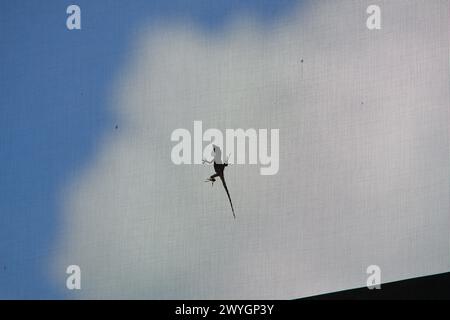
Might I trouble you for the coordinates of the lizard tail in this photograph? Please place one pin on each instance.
(228, 194)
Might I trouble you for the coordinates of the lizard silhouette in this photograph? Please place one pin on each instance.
(219, 167)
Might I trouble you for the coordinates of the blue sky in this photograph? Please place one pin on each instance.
(54, 109)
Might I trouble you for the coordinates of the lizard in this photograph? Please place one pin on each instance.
(219, 167)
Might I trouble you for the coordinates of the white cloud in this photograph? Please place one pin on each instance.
(363, 173)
